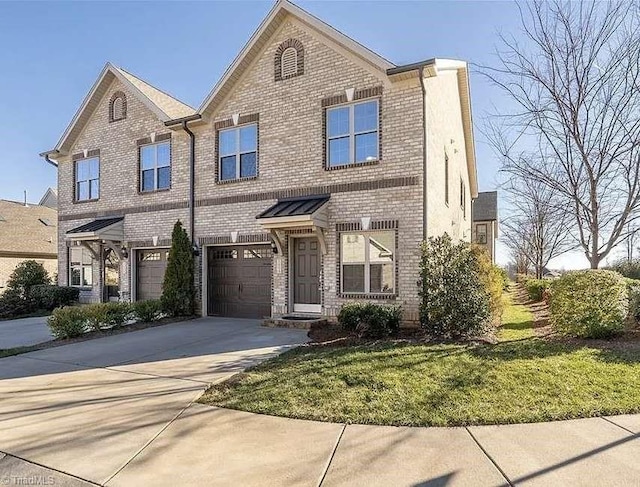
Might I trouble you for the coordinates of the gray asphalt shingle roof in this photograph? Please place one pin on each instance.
(485, 206)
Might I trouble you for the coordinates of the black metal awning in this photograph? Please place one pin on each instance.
(288, 207)
(95, 225)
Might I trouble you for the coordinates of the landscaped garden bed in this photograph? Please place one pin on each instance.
(527, 376)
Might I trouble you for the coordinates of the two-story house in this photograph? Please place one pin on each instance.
(307, 178)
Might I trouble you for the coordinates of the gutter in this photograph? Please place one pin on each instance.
(183, 122)
(47, 157)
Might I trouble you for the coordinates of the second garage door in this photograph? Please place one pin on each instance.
(239, 281)
(150, 273)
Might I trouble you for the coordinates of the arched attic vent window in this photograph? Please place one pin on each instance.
(289, 60)
(117, 107)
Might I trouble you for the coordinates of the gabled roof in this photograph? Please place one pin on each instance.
(164, 106)
(269, 25)
(485, 207)
(49, 199)
(29, 231)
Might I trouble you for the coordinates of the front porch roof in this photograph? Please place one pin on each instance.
(111, 229)
(296, 212)
(306, 212)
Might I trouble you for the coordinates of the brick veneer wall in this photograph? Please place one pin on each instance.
(291, 163)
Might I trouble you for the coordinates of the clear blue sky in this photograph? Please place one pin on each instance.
(52, 52)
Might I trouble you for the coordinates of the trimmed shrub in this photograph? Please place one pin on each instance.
(27, 274)
(147, 311)
(628, 269)
(13, 304)
(536, 288)
(589, 304)
(117, 313)
(178, 289)
(48, 297)
(493, 279)
(633, 289)
(370, 320)
(96, 315)
(68, 322)
(454, 300)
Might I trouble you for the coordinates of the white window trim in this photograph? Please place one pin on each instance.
(238, 154)
(352, 133)
(485, 233)
(77, 181)
(82, 268)
(155, 167)
(367, 265)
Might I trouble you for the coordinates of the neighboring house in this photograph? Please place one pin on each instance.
(319, 168)
(27, 232)
(50, 199)
(485, 221)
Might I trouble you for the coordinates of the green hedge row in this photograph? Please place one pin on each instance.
(590, 304)
(370, 320)
(73, 321)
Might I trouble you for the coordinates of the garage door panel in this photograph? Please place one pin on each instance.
(239, 282)
(151, 267)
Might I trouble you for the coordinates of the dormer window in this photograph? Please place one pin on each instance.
(117, 107)
(289, 60)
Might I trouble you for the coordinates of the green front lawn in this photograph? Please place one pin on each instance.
(522, 378)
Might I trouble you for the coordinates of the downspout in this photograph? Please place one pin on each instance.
(183, 122)
(192, 183)
(47, 157)
(424, 152)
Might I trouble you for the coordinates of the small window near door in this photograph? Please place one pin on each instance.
(80, 267)
(367, 262)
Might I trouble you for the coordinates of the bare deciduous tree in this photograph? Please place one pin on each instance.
(538, 227)
(575, 80)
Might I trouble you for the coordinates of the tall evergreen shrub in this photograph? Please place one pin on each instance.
(178, 290)
(454, 300)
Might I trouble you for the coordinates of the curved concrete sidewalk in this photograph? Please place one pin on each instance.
(120, 411)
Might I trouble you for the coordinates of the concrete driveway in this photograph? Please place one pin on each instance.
(23, 332)
(120, 411)
(88, 408)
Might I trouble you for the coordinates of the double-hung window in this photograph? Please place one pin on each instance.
(352, 134)
(238, 153)
(367, 262)
(155, 166)
(80, 267)
(88, 179)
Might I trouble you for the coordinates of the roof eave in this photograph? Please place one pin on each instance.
(280, 10)
(433, 67)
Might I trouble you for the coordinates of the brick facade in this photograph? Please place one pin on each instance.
(291, 162)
